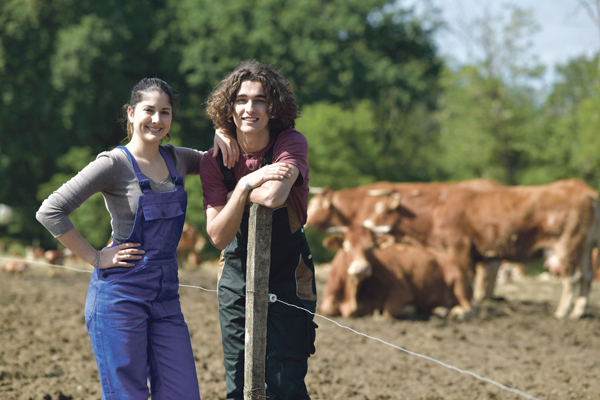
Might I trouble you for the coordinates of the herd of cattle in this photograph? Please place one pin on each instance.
(403, 247)
(408, 246)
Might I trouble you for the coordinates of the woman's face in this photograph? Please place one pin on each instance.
(151, 118)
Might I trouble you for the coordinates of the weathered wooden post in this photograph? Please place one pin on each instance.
(257, 289)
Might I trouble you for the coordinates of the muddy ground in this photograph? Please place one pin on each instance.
(45, 352)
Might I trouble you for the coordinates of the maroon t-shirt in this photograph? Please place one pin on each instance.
(290, 147)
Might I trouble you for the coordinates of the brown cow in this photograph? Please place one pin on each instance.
(55, 257)
(558, 221)
(393, 278)
(190, 246)
(487, 223)
(595, 265)
(409, 209)
(16, 266)
(328, 208)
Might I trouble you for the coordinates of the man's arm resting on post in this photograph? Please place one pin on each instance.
(274, 193)
(223, 222)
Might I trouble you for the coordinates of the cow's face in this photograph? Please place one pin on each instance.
(355, 243)
(319, 209)
(383, 209)
(349, 270)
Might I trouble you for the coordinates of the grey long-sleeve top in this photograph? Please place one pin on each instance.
(111, 174)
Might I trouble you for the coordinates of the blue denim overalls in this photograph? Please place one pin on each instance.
(133, 315)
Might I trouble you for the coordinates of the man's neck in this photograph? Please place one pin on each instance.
(253, 143)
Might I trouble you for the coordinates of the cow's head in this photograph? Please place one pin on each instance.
(320, 209)
(355, 242)
(350, 268)
(384, 208)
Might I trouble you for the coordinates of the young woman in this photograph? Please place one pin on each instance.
(132, 311)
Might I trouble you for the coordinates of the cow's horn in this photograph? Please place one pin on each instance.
(316, 190)
(379, 192)
(337, 229)
(394, 201)
(381, 229)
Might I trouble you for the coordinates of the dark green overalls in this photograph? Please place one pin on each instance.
(290, 331)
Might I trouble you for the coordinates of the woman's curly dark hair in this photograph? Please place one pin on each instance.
(283, 109)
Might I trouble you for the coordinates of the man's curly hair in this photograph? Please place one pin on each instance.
(282, 111)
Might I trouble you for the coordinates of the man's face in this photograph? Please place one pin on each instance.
(250, 113)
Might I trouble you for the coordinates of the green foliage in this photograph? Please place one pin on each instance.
(67, 66)
(376, 101)
(570, 140)
(577, 81)
(335, 51)
(578, 129)
(488, 127)
(328, 45)
(489, 112)
(67, 89)
(342, 148)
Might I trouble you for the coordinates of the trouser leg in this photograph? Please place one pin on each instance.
(171, 370)
(232, 318)
(289, 342)
(120, 352)
(288, 347)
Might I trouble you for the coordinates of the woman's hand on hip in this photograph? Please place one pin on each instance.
(120, 256)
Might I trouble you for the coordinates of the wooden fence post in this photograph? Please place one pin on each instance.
(257, 289)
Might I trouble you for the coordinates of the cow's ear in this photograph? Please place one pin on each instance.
(321, 201)
(394, 201)
(385, 240)
(333, 243)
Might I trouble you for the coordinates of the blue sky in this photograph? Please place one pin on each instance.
(567, 31)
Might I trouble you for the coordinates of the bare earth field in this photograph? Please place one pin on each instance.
(45, 352)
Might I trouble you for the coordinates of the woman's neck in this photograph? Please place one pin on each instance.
(149, 159)
(142, 150)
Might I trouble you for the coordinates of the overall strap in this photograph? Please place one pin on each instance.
(177, 179)
(144, 182)
(228, 175)
(268, 157)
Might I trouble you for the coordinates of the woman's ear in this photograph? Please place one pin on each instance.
(130, 112)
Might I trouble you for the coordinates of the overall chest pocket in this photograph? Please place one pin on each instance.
(161, 229)
(160, 211)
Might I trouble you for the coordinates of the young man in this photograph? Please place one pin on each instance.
(256, 105)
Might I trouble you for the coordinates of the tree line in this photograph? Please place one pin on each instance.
(377, 100)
